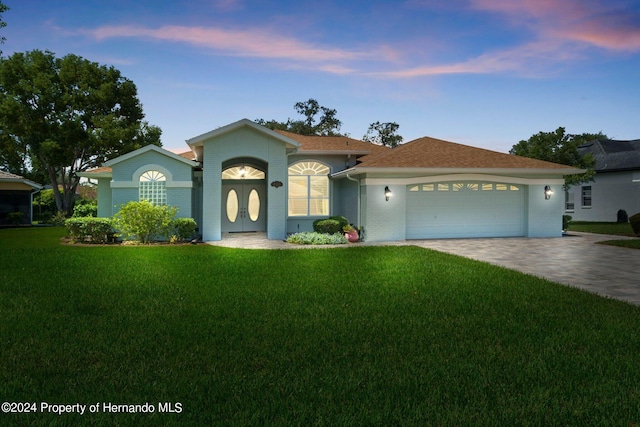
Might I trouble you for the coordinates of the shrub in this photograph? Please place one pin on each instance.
(327, 226)
(15, 218)
(622, 216)
(342, 221)
(94, 230)
(313, 238)
(635, 223)
(143, 221)
(181, 229)
(566, 220)
(85, 208)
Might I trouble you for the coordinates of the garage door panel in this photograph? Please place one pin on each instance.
(457, 214)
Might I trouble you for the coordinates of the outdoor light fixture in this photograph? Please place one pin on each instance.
(547, 192)
(387, 193)
(242, 171)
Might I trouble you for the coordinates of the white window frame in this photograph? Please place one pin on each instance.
(586, 194)
(311, 172)
(152, 186)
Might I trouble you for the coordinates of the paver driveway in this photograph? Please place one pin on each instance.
(574, 259)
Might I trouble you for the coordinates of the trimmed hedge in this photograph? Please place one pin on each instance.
(181, 228)
(335, 225)
(89, 229)
(635, 223)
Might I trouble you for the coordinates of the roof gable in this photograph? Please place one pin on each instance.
(200, 139)
(146, 149)
(429, 152)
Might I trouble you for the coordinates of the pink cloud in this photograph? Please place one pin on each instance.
(253, 43)
(604, 24)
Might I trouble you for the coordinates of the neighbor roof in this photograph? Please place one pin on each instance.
(611, 155)
(11, 177)
(432, 153)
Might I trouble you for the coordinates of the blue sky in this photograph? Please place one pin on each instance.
(487, 73)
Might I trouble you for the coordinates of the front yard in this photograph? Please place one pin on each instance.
(344, 336)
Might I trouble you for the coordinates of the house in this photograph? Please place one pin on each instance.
(16, 195)
(243, 177)
(616, 184)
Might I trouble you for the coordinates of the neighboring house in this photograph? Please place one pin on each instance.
(616, 184)
(16, 195)
(244, 177)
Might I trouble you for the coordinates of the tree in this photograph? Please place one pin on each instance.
(3, 9)
(560, 147)
(326, 124)
(383, 134)
(61, 116)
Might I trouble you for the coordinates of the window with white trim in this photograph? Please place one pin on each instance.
(153, 188)
(569, 204)
(308, 189)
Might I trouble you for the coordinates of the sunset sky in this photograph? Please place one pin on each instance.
(487, 73)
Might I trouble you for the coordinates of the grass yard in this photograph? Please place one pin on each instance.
(613, 228)
(344, 336)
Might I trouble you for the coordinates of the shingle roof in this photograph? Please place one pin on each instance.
(333, 143)
(9, 177)
(611, 155)
(429, 152)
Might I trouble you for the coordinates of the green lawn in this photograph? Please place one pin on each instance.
(345, 336)
(613, 228)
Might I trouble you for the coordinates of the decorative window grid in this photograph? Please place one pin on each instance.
(153, 187)
(308, 189)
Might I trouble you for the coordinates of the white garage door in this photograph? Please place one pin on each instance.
(465, 209)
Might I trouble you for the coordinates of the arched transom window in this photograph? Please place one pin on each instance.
(308, 189)
(153, 187)
(242, 172)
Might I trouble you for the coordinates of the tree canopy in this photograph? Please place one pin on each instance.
(560, 147)
(3, 8)
(61, 116)
(318, 120)
(383, 134)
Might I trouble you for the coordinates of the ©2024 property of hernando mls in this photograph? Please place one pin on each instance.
(245, 177)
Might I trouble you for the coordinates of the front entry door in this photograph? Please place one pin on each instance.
(243, 207)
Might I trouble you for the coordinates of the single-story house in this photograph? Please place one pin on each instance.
(16, 195)
(616, 184)
(243, 177)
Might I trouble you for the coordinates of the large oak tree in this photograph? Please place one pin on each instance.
(61, 116)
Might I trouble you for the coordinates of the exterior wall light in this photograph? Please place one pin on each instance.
(547, 192)
(242, 171)
(387, 193)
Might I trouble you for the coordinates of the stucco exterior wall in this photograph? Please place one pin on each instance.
(544, 217)
(105, 205)
(384, 220)
(126, 180)
(610, 192)
(237, 144)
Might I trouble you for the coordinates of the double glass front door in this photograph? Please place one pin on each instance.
(243, 207)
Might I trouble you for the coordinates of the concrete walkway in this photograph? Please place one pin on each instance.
(573, 260)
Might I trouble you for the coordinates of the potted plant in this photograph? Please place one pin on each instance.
(350, 233)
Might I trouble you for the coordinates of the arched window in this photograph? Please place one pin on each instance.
(308, 189)
(153, 187)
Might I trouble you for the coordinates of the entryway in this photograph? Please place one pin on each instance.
(243, 207)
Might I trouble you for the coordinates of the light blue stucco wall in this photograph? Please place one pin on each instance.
(544, 217)
(244, 142)
(384, 220)
(105, 205)
(126, 176)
